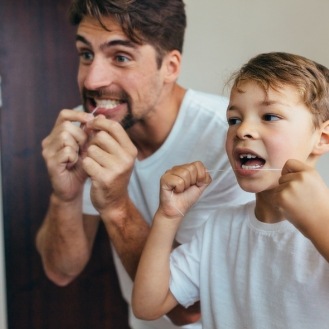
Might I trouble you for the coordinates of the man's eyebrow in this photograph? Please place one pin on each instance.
(115, 42)
(118, 42)
(82, 39)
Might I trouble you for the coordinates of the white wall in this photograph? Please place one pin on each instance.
(223, 34)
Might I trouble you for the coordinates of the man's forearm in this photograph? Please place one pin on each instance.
(128, 232)
(62, 241)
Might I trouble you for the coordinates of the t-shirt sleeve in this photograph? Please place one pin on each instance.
(87, 206)
(185, 271)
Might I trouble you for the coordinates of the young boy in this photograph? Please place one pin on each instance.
(263, 264)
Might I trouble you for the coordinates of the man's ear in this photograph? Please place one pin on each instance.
(322, 146)
(172, 65)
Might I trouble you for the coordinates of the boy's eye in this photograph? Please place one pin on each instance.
(233, 121)
(271, 117)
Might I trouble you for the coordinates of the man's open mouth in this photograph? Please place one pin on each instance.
(103, 105)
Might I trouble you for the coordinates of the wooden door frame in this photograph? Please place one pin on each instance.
(38, 65)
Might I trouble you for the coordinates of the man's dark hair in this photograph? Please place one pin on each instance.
(160, 23)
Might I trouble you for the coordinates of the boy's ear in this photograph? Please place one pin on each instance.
(323, 144)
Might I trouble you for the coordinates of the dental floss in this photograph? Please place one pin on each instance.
(270, 169)
(172, 192)
(94, 110)
(83, 125)
(173, 201)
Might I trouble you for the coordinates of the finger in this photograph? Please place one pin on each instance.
(180, 178)
(104, 149)
(65, 135)
(188, 175)
(105, 141)
(203, 175)
(293, 166)
(73, 116)
(292, 169)
(103, 158)
(170, 181)
(113, 128)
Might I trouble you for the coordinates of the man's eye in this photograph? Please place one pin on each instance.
(122, 59)
(271, 117)
(86, 56)
(233, 121)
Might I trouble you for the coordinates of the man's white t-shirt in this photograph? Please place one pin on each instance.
(199, 133)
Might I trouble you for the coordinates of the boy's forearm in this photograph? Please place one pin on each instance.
(152, 297)
(319, 233)
(315, 224)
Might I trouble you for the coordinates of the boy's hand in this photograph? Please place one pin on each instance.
(181, 187)
(302, 195)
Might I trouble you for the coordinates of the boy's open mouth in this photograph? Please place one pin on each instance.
(250, 161)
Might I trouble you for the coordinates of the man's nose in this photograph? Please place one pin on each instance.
(98, 75)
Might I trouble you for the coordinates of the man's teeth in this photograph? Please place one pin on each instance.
(107, 104)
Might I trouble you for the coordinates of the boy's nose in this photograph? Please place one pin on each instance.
(246, 130)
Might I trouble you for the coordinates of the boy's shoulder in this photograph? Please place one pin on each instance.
(229, 213)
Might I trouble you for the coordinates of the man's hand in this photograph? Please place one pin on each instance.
(109, 161)
(60, 151)
(181, 316)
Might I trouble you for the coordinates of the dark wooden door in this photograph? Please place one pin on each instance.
(38, 66)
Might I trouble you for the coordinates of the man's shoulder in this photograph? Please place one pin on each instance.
(78, 108)
(207, 99)
(206, 105)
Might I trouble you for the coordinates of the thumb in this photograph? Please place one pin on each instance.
(293, 166)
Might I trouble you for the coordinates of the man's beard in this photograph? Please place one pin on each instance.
(128, 121)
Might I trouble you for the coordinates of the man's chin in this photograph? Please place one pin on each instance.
(128, 124)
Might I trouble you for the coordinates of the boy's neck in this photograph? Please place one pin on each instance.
(265, 210)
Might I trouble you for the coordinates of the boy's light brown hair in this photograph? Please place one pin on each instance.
(276, 69)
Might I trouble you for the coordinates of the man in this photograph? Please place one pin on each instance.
(142, 123)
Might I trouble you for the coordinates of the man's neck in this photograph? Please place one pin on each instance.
(148, 135)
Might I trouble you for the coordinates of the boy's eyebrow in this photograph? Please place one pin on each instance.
(115, 42)
(269, 102)
(231, 108)
(262, 103)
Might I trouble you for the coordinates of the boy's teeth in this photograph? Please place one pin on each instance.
(249, 156)
(251, 167)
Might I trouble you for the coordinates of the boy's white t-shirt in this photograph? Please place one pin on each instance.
(250, 274)
(199, 133)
